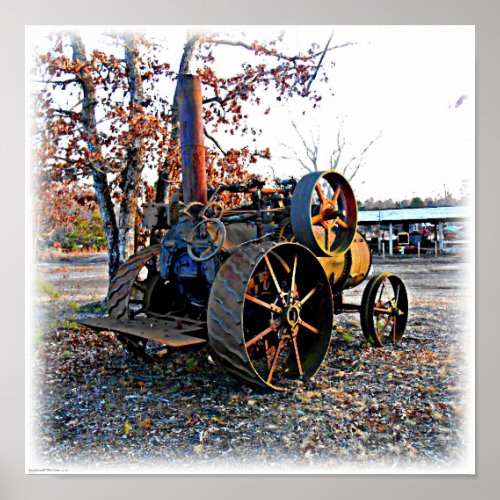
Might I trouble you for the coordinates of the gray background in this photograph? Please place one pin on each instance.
(485, 14)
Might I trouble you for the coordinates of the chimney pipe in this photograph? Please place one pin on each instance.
(189, 103)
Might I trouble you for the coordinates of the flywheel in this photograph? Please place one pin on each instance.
(270, 314)
(324, 213)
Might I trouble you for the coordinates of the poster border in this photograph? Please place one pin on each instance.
(13, 482)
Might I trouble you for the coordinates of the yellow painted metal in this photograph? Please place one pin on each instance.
(333, 266)
(361, 261)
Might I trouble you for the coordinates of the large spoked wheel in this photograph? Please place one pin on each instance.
(137, 289)
(270, 314)
(384, 309)
(324, 213)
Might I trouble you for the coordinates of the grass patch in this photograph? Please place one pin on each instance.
(48, 289)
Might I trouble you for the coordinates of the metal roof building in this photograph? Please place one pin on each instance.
(414, 215)
(437, 216)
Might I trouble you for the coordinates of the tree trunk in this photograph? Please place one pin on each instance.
(108, 217)
(101, 186)
(132, 174)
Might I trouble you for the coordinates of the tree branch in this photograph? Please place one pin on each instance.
(58, 82)
(319, 63)
(254, 47)
(219, 147)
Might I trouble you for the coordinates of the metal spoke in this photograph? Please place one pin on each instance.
(276, 284)
(309, 295)
(294, 272)
(397, 297)
(381, 310)
(263, 333)
(336, 195)
(320, 193)
(268, 358)
(390, 301)
(275, 360)
(381, 292)
(272, 307)
(317, 219)
(341, 223)
(328, 239)
(308, 326)
(386, 289)
(282, 261)
(380, 332)
(296, 349)
(206, 252)
(202, 243)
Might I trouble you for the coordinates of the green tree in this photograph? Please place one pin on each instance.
(417, 202)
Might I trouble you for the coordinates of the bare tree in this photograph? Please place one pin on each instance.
(309, 154)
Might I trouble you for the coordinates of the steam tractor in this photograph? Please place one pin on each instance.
(260, 282)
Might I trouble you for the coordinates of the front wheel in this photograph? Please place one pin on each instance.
(384, 309)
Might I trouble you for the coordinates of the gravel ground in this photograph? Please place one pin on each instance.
(95, 407)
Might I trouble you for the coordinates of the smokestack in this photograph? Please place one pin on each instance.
(189, 102)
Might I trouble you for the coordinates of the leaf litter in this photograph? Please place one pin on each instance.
(95, 404)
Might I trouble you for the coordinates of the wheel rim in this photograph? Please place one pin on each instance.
(270, 314)
(384, 309)
(324, 213)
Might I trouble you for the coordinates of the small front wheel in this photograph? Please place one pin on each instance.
(384, 309)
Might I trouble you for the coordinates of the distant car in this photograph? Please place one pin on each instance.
(404, 244)
(407, 243)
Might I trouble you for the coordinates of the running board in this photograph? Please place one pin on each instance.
(173, 332)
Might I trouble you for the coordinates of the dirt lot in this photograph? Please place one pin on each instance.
(97, 407)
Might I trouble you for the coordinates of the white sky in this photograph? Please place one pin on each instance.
(403, 82)
(400, 81)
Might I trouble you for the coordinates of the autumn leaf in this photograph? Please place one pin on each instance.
(145, 424)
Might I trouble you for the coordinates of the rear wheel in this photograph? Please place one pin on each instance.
(137, 289)
(270, 314)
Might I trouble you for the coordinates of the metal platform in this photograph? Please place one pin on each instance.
(171, 331)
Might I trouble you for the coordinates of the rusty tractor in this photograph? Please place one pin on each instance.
(261, 282)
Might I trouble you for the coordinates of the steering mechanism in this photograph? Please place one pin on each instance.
(206, 239)
(192, 210)
(213, 209)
